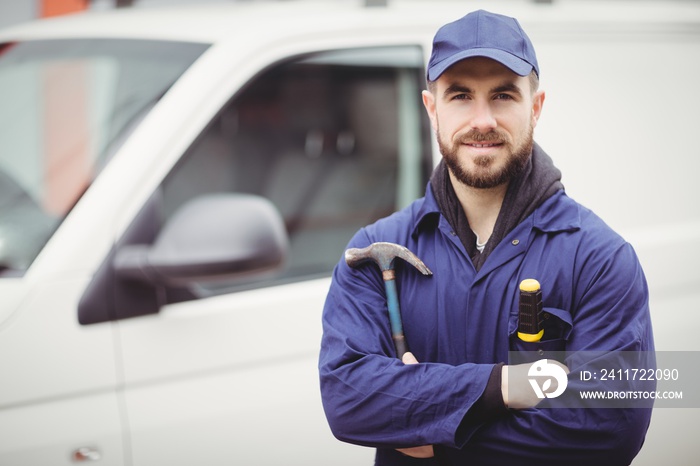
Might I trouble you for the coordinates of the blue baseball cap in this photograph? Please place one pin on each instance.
(483, 34)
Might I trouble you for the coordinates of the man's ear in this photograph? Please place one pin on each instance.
(537, 103)
(429, 103)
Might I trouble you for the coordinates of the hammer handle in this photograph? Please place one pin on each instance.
(397, 335)
(400, 345)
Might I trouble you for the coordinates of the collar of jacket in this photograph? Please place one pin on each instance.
(557, 214)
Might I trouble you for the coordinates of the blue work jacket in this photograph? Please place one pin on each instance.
(460, 322)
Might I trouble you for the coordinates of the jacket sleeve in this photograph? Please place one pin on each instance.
(370, 397)
(610, 314)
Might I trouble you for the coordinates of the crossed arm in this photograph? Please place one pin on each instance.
(515, 390)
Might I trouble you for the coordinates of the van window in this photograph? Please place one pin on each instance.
(335, 140)
(67, 105)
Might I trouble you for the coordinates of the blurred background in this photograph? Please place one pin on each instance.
(14, 12)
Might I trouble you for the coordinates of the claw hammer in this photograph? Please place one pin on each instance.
(384, 255)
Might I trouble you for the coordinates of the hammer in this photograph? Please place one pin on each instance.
(384, 255)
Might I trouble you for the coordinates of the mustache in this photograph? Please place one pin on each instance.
(475, 135)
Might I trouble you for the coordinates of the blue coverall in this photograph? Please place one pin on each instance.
(459, 323)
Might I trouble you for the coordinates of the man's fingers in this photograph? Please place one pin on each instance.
(517, 386)
(425, 451)
(409, 358)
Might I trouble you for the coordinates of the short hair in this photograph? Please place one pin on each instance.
(534, 81)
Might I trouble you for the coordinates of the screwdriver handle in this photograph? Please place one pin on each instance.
(530, 315)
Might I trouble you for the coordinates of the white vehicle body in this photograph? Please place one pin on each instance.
(231, 378)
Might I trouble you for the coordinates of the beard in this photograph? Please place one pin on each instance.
(485, 175)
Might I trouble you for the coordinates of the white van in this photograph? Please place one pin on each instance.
(177, 184)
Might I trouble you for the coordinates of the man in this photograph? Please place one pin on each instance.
(494, 213)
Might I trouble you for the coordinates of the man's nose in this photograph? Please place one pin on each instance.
(483, 119)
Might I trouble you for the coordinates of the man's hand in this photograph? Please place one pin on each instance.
(515, 386)
(409, 358)
(425, 451)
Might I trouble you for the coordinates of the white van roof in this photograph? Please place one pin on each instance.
(242, 21)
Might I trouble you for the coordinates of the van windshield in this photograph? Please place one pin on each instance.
(67, 105)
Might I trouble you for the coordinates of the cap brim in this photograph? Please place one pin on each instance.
(515, 64)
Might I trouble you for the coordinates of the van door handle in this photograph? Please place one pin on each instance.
(86, 454)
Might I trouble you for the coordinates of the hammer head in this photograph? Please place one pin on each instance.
(384, 254)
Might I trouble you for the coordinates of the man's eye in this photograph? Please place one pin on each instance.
(460, 97)
(503, 97)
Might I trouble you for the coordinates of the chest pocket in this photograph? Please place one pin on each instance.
(557, 328)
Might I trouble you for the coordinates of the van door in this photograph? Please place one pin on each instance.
(225, 369)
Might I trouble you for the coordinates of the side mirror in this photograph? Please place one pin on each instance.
(209, 238)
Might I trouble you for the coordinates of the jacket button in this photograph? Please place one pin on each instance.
(515, 242)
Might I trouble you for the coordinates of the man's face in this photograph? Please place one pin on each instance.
(483, 115)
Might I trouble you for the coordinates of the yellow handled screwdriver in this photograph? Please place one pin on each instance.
(530, 315)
